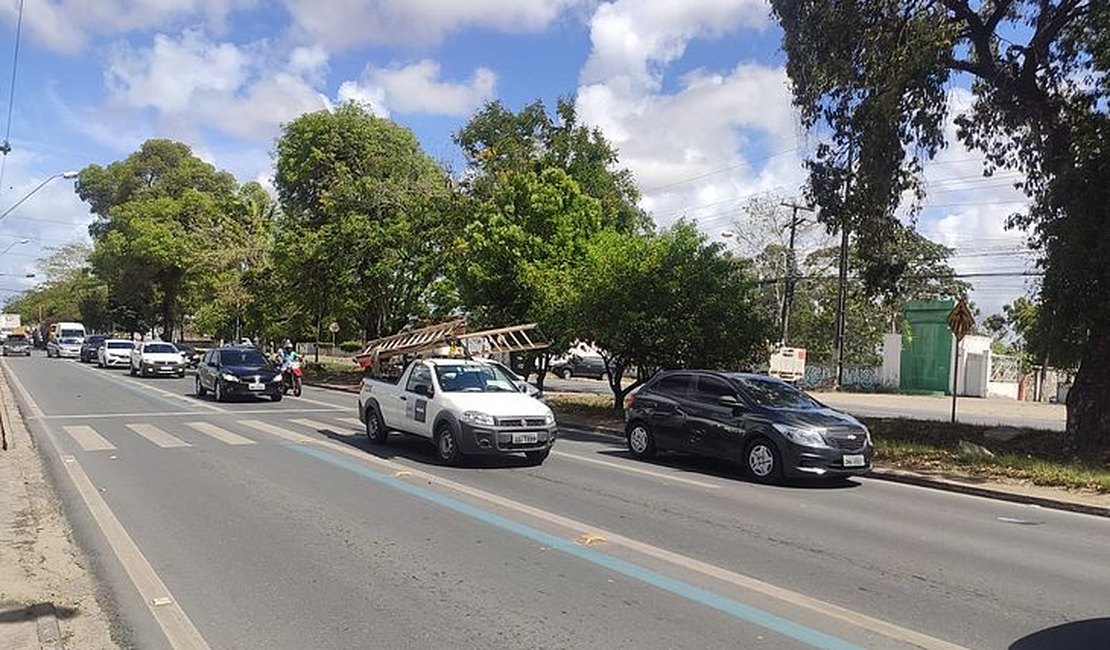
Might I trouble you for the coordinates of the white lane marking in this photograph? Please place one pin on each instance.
(223, 435)
(88, 438)
(621, 467)
(125, 379)
(167, 414)
(315, 425)
(157, 436)
(32, 406)
(796, 599)
(175, 623)
(319, 403)
(266, 427)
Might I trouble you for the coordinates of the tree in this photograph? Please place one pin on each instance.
(367, 219)
(661, 301)
(498, 142)
(874, 74)
(68, 291)
(158, 214)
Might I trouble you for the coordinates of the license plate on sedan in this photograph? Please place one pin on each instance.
(854, 460)
(257, 386)
(525, 438)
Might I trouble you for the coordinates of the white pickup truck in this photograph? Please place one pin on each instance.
(464, 406)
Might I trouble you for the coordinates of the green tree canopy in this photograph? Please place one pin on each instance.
(666, 300)
(874, 75)
(367, 219)
(160, 212)
(498, 142)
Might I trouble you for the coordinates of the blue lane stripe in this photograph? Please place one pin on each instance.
(677, 587)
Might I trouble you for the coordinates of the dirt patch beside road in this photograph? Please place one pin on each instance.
(40, 565)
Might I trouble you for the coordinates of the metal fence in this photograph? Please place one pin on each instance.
(1005, 369)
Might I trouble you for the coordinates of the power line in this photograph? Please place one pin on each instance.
(720, 170)
(6, 145)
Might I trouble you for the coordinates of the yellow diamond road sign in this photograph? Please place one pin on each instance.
(960, 320)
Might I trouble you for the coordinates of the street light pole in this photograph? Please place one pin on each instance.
(66, 175)
(18, 241)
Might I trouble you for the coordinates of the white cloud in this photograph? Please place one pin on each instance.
(192, 83)
(633, 40)
(699, 151)
(343, 24)
(417, 88)
(67, 25)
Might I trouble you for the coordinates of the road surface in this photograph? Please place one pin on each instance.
(276, 525)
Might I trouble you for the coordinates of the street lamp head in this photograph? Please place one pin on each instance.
(70, 175)
(24, 241)
(727, 234)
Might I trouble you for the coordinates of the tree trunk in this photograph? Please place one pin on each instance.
(1089, 401)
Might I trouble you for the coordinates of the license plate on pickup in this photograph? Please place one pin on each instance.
(525, 438)
(854, 460)
(257, 386)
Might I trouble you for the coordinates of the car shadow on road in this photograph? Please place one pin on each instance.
(718, 468)
(418, 450)
(1091, 634)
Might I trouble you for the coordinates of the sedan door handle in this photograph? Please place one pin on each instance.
(403, 398)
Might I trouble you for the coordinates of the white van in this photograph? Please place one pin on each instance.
(65, 339)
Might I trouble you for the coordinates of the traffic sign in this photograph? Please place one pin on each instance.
(960, 320)
(333, 328)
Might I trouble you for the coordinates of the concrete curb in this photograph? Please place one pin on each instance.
(880, 473)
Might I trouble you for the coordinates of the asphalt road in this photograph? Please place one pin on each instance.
(275, 525)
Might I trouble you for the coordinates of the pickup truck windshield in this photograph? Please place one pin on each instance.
(473, 378)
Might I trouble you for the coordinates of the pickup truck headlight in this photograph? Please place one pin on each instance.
(805, 436)
(226, 376)
(549, 419)
(478, 418)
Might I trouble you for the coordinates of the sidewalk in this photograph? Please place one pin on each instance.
(47, 598)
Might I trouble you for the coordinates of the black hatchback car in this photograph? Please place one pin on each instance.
(238, 371)
(90, 347)
(772, 428)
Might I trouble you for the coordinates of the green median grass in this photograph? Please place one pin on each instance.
(1034, 456)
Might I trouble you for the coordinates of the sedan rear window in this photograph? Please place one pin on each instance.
(775, 393)
(159, 348)
(119, 345)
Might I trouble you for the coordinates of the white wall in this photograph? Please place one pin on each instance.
(890, 375)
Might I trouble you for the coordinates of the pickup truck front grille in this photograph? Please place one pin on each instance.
(520, 422)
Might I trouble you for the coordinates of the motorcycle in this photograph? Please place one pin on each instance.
(291, 378)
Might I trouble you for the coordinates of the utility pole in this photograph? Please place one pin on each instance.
(791, 270)
(842, 293)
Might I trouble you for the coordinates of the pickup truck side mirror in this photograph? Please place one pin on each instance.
(424, 390)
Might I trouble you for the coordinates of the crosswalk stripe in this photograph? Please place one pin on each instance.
(314, 424)
(88, 438)
(266, 427)
(157, 436)
(223, 435)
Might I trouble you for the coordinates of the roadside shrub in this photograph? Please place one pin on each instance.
(351, 346)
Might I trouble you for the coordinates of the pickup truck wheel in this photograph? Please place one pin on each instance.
(447, 446)
(375, 428)
(537, 457)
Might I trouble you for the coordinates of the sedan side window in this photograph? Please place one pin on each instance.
(710, 389)
(674, 385)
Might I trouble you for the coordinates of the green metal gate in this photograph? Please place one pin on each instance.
(927, 347)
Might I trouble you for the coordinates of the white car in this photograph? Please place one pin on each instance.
(156, 358)
(114, 352)
(65, 348)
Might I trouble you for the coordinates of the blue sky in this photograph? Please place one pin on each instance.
(692, 93)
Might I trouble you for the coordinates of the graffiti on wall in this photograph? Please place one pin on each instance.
(861, 378)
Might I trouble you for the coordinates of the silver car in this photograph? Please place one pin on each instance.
(69, 348)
